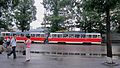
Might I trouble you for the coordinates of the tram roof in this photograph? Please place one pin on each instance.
(20, 32)
(73, 33)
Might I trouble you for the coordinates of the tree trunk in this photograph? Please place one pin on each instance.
(109, 47)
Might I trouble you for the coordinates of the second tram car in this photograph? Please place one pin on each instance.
(92, 38)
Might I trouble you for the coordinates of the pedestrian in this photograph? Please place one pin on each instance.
(1, 49)
(1, 45)
(8, 41)
(8, 47)
(28, 44)
(46, 39)
(4, 42)
(13, 45)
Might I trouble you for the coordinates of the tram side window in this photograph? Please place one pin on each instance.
(7, 34)
(22, 34)
(89, 36)
(18, 34)
(77, 35)
(54, 35)
(27, 35)
(65, 35)
(37, 35)
(99, 36)
(50, 36)
(82, 35)
(42, 35)
(71, 35)
(32, 35)
(94, 36)
(3, 34)
(59, 35)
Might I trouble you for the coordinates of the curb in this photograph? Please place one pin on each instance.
(69, 53)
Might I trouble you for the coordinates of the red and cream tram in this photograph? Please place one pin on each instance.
(93, 38)
(21, 36)
(61, 37)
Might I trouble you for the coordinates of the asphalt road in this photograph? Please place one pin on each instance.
(60, 56)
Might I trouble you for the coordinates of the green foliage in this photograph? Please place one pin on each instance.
(115, 19)
(6, 18)
(24, 14)
(92, 22)
(4, 4)
(55, 23)
(54, 7)
(89, 14)
(15, 3)
(100, 5)
(105, 8)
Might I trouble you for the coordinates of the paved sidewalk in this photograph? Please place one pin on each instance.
(60, 49)
(54, 61)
